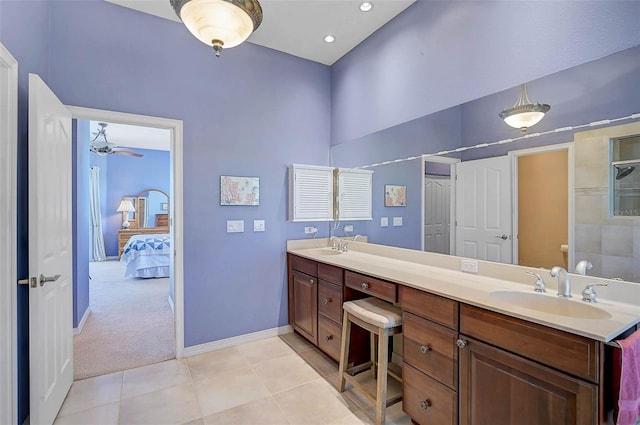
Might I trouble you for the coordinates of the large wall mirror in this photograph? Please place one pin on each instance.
(586, 227)
(152, 209)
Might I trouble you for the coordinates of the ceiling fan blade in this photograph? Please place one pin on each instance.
(129, 153)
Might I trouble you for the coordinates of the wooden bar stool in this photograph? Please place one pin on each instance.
(381, 319)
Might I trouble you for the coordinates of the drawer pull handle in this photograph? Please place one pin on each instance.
(424, 404)
(311, 281)
(424, 349)
(328, 338)
(365, 286)
(326, 300)
(461, 343)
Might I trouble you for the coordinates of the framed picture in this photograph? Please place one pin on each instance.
(395, 195)
(164, 206)
(239, 190)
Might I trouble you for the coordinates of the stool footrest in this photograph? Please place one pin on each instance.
(366, 385)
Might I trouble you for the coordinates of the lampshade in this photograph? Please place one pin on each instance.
(524, 114)
(219, 23)
(126, 206)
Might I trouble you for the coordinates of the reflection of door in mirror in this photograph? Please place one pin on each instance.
(437, 201)
(142, 211)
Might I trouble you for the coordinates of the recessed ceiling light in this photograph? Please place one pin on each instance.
(366, 6)
(329, 38)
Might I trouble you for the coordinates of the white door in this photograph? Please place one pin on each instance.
(483, 209)
(50, 254)
(437, 203)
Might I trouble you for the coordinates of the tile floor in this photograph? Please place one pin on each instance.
(280, 380)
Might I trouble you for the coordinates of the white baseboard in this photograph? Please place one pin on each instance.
(171, 304)
(236, 340)
(85, 316)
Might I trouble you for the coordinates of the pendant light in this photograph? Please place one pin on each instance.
(524, 114)
(219, 23)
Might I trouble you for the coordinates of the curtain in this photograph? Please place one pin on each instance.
(96, 247)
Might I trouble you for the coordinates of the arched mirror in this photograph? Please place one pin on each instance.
(152, 208)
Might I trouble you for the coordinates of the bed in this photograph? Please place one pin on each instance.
(147, 256)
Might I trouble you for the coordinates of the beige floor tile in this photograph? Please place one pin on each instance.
(174, 405)
(265, 349)
(320, 362)
(263, 411)
(195, 422)
(104, 415)
(205, 366)
(312, 403)
(351, 419)
(286, 372)
(154, 377)
(228, 390)
(92, 392)
(296, 342)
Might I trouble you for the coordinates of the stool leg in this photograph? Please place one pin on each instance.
(381, 393)
(344, 350)
(373, 340)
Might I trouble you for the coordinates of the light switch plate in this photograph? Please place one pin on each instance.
(235, 226)
(258, 225)
(397, 221)
(384, 221)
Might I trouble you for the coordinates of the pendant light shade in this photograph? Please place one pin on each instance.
(524, 114)
(219, 23)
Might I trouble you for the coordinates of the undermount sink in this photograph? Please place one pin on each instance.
(323, 251)
(552, 305)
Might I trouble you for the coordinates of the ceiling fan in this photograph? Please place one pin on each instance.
(104, 147)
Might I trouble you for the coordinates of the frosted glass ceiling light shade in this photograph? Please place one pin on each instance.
(219, 23)
(524, 114)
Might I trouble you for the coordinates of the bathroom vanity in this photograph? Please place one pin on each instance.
(477, 348)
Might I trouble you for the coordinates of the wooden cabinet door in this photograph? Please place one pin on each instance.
(497, 387)
(305, 305)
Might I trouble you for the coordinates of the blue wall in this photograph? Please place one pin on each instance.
(80, 218)
(438, 54)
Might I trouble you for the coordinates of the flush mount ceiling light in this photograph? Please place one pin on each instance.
(524, 114)
(329, 38)
(219, 23)
(366, 6)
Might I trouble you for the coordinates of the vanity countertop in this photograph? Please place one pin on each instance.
(476, 289)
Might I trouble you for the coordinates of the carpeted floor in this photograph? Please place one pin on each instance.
(130, 324)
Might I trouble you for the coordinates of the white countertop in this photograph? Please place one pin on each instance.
(474, 289)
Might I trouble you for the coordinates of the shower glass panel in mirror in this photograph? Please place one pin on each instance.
(625, 177)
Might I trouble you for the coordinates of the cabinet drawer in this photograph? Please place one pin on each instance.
(329, 273)
(433, 307)
(566, 352)
(431, 349)
(304, 265)
(370, 285)
(329, 337)
(426, 400)
(330, 301)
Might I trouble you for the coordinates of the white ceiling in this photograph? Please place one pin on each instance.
(298, 27)
(131, 136)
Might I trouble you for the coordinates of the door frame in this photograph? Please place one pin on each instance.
(452, 208)
(8, 241)
(514, 155)
(176, 193)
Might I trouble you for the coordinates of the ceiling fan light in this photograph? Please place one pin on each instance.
(524, 114)
(219, 23)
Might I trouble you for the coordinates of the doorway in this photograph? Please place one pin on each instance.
(438, 204)
(174, 208)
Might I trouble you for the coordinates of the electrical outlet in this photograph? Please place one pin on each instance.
(309, 230)
(348, 228)
(384, 221)
(397, 221)
(258, 225)
(235, 226)
(469, 266)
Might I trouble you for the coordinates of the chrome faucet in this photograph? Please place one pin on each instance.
(356, 237)
(583, 266)
(564, 286)
(540, 286)
(334, 243)
(589, 294)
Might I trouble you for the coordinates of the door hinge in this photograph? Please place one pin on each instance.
(32, 282)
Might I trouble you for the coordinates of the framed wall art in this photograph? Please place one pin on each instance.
(395, 195)
(239, 190)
